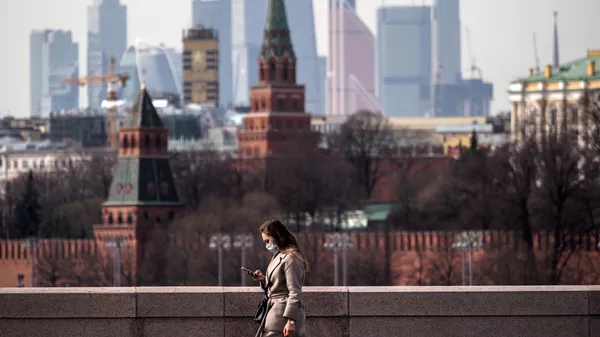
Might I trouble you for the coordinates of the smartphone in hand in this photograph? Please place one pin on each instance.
(249, 272)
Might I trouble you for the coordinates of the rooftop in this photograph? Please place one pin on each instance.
(576, 70)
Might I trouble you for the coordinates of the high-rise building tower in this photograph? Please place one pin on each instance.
(351, 63)
(200, 66)
(53, 57)
(445, 22)
(142, 194)
(404, 60)
(277, 102)
(217, 14)
(107, 36)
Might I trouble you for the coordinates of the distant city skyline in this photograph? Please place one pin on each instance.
(501, 35)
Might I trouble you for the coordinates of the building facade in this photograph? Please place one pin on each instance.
(201, 66)
(549, 100)
(107, 37)
(446, 29)
(217, 14)
(150, 64)
(53, 57)
(351, 68)
(404, 60)
(40, 157)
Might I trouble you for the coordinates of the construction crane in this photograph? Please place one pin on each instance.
(111, 79)
(474, 68)
(535, 54)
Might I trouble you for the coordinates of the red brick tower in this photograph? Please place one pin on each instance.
(142, 194)
(277, 101)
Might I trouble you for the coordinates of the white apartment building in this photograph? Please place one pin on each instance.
(19, 158)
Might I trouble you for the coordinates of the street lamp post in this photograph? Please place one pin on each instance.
(243, 242)
(219, 242)
(336, 242)
(31, 244)
(467, 241)
(116, 243)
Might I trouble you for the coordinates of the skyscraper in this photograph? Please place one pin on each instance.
(351, 68)
(404, 60)
(53, 57)
(217, 14)
(107, 36)
(445, 21)
(347, 3)
(248, 31)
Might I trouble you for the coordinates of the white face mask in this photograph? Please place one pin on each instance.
(271, 247)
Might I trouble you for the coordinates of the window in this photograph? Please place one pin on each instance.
(15, 164)
(164, 189)
(35, 164)
(285, 71)
(146, 215)
(133, 142)
(263, 103)
(295, 104)
(129, 218)
(280, 104)
(120, 218)
(24, 164)
(110, 219)
(147, 141)
(125, 142)
(157, 142)
(272, 70)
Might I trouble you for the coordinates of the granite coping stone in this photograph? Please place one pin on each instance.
(594, 292)
(469, 301)
(67, 303)
(219, 302)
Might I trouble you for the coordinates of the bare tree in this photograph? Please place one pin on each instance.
(564, 172)
(518, 179)
(199, 175)
(365, 140)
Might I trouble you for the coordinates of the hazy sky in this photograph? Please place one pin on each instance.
(501, 34)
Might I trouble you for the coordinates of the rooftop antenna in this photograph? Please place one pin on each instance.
(535, 54)
(555, 60)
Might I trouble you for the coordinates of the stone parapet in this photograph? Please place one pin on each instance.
(569, 311)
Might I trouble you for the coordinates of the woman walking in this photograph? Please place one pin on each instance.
(283, 281)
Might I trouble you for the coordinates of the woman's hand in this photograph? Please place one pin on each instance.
(258, 276)
(289, 329)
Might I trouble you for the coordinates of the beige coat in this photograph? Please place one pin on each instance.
(286, 276)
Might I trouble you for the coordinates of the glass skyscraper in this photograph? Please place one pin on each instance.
(404, 60)
(107, 36)
(351, 63)
(151, 64)
(53, 57)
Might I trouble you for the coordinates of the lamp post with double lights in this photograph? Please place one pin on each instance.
(116, 244)
(220, 242)
(470, 241)
(243, 242)
(337, 242)
(32, 244)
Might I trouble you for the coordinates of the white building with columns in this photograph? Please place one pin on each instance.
(549, 100)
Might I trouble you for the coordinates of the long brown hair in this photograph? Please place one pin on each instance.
(284, 239)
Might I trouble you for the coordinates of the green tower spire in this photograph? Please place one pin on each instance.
(277, 41)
